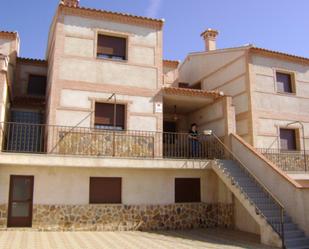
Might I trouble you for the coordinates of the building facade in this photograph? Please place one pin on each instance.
(95, 137)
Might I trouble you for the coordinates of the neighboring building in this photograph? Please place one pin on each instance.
(95, 137)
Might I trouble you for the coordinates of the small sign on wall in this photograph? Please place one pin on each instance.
(158, 107)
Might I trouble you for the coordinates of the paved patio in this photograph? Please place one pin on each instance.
(200, 238)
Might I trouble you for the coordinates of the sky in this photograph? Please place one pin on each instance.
(281, 25)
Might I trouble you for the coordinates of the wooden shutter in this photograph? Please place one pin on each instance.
(284, 82)
(36, 85)
(187, 190)
(288, 139)
(105, 190)
(112, 46)
(104, 114)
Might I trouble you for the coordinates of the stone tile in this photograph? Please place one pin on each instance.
(184, 239)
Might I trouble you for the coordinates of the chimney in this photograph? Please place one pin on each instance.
(70, 3)
(210, 36)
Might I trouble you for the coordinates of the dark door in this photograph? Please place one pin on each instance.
(20, 201)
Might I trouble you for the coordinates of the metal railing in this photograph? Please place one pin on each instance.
(276, 219)
(85, 141)
(287, 160)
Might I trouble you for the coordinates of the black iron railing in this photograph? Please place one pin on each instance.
(64, 140)
(83, 141)
(287, 160)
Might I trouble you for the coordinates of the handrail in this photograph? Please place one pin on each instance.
(250, 172)
(266, 190)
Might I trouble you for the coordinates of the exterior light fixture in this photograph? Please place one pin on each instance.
(207, 132)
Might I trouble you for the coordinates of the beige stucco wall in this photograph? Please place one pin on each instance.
(77, 78)
(170, 75)
(5, 46)
(274, 110)
(80, 41)
(295, 200)
(140, 110)
(243, 220)
(3, 96)
(223, 70)
(211, 117)
(56, 185)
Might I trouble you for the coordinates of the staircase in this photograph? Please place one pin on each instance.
(245, 186)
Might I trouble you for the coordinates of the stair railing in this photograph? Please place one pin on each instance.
(229, 154)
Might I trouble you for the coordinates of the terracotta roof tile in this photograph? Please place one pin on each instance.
(160, 22)
(171, 63)
(282, 54)
(191, 92)
(32, 60)
(13, 34)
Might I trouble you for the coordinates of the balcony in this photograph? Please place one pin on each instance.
(287, 160)
(83, 141)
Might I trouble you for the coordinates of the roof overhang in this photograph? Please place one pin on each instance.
(186, 100)
(113, 16)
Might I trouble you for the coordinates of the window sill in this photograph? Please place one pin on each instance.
(107, 204)
(286, 94)
(112, 60)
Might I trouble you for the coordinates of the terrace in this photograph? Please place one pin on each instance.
(83, 141)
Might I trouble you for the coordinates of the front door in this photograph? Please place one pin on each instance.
(20, 201)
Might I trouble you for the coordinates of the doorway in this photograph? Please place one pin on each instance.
(20, 201)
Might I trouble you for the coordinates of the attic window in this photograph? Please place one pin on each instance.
(111, 47)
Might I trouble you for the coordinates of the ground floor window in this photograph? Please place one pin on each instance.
(187, 190)
(105, 190)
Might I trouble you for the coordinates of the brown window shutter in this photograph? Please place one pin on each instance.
(104, 114)
(113, 46)
(187, 190)
(105, 190)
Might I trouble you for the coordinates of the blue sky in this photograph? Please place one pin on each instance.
(275, 24)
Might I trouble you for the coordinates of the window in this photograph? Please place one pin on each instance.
(197, 86)
(187, 190)
(284, 82)
(104, 116)
(288, 139)
(36, 85)
(105, 190)
(111, 47)
(183, 85)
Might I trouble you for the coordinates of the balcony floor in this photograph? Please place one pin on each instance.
(200, 238)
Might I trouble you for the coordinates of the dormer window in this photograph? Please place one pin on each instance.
(111, 47)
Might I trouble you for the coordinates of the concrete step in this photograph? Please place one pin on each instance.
(294, 234)
(297, 247)
(302, 241)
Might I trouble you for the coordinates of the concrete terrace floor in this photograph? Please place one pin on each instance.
(200, 238)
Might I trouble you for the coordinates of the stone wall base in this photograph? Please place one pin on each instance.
(127, 217)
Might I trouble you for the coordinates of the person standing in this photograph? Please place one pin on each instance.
(194, 142)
